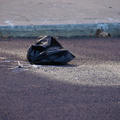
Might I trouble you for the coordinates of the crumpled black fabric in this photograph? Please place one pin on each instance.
(48, 51)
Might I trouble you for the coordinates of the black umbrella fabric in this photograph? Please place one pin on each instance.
(48, 51)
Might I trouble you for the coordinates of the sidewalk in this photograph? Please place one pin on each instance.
(69, 18)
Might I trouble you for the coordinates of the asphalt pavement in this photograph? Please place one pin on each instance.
(85, 89)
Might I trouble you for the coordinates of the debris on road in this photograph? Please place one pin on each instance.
(19, 65)
(4, 37)
(101, 33)
(48, 51)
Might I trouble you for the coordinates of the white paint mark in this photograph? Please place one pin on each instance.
(111, 19)
(9, 22)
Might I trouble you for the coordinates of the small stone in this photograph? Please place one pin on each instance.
(101, 33)
(4, 37)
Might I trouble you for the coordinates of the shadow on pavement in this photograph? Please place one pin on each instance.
(27, 96)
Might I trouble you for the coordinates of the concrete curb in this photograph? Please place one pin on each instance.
(62, 30)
